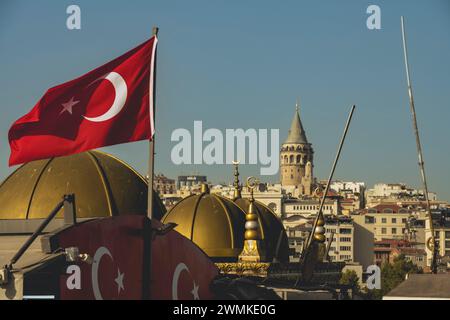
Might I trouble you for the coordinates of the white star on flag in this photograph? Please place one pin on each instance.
(195, 292)
(68, 105)
(119, 281)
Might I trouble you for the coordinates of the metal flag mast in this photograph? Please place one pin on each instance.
(431, 242)
(151, 164)
(151, 158)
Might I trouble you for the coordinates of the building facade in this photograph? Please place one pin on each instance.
(389, 221)
(163, 185)
(340, 238)
(310, 207)
(191, 181)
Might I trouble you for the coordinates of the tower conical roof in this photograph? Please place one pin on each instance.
(296, 132)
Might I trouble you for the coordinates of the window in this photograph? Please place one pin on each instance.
(403, 230)
(394, 230)
(345, 248)
(394, 220)
(387, 210)
(447, 244)
(383, 220)
(383, 230)
(404, 220)
(346, 239)
(345, 231)
(369, 219)
(447, 234)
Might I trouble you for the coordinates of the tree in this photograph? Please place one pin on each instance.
(392, 274)
(350, 278)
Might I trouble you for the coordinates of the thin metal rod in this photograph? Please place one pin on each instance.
(419, 147)
(322, 202)
(38, 231)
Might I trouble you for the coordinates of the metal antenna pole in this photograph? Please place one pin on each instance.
(432, 239)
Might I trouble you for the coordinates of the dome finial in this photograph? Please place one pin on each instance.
(253, 250)
(236, 184)
(297, 105)
(319, 231)
(204, 188)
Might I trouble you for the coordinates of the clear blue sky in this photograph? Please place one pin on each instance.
(241, 64)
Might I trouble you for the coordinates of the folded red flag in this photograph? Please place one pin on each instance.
(110, 105)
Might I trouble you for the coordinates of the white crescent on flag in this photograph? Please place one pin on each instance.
(120, 87)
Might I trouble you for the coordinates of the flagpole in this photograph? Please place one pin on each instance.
(151, 158)
(151, 167)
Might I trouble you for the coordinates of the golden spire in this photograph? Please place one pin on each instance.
(237, 186)
(319, 231)
(204, 188)
(251, 219)
(253, 250)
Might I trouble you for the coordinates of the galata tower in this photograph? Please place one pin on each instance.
(296, 158)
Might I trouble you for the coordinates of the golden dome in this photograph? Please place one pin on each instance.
(271, 229)
(217, 225)
(212, 222)
(103, 186)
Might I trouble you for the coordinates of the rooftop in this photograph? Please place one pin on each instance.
(422, 286)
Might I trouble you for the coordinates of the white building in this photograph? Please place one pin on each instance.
(310, 207)
(355, 187)
(394, 191)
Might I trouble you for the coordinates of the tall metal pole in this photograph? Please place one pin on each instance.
(322, 202)
(151, 166)
(432, 246)
(151, 158)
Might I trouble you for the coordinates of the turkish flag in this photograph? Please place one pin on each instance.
(110, 105)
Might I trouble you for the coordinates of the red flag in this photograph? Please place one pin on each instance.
(110, 105)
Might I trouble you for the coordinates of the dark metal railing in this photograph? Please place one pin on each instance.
(69, 217)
